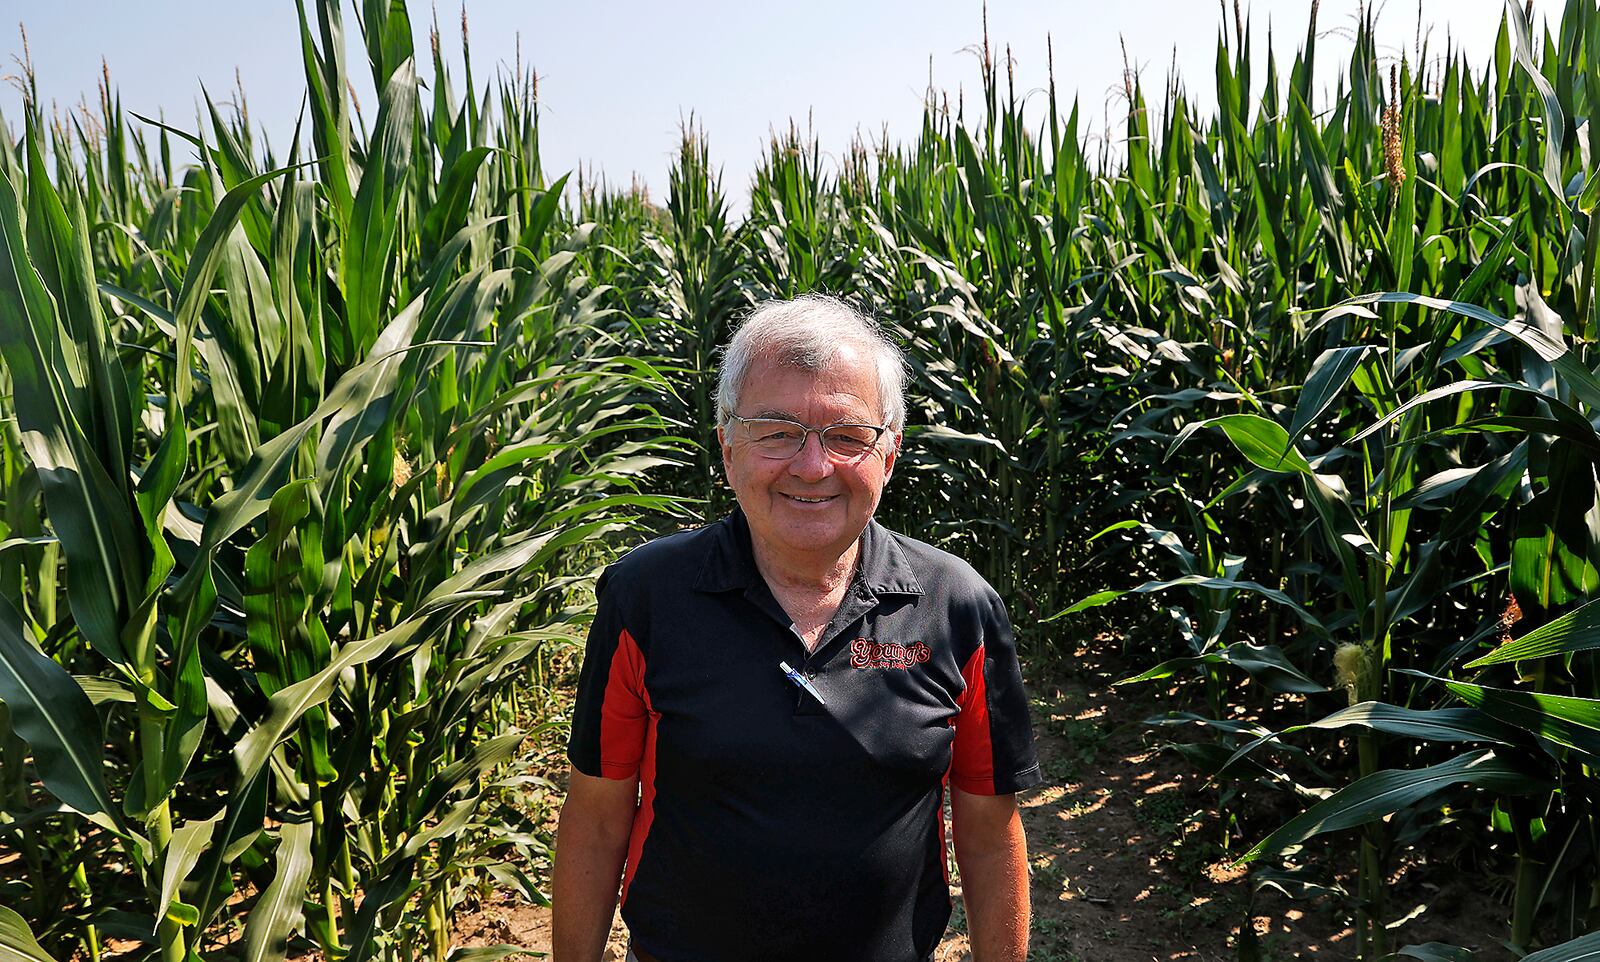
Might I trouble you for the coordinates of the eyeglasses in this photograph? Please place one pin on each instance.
(781, 439)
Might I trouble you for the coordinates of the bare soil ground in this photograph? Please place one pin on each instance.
(1127, 857)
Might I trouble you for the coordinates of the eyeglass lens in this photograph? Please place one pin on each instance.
(784, 439)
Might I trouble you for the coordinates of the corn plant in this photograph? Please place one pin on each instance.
(322, 451)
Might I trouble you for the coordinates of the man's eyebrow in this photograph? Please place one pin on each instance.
(775, 414)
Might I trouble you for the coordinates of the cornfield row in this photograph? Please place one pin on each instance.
(307, 462)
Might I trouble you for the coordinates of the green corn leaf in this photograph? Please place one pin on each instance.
(241, 826)
(1267, 664)
(1200, 582)
(1568, 419)
(479, 575)
(365, 271)
(53, 715)
(296, 383)
(540, 219)
(1563, 719)
(282, 570)
(163, 318)
(1554, 120)
(88, 508)
(1489, 266)
(204, 260)
(1329, 375)
(58, 245)
(1577, 630)
(1486, 489)
(1324, 190)
(278, 913)
(1552, 562)
(189, 841)
(1436, 724)
(394, 883)
(186, 726)
(1431, 725)
(1384, 793)
(326, 86)
(153, 494)
(1568, 365)
(1590, 198)
(452, 820)
(386, 27)
(1187, 560)
(941, 434)
(284, 709)
(1436, 952)
(275, 597)
(17, 943)
(233, 165)
(360, 387)
(239, 347)
(360, 410)
(1584, 948)
(483, 757)
(449, 214)
(104, 690)
(1262, 440)
(488, 953)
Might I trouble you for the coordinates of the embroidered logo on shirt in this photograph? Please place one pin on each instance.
(866, 653)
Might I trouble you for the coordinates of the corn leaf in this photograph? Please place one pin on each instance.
(278, 914)
(1386, 792)
(1584, 948)
(1564, 719)
(53, 715)
(17, 943)
(1577, 630)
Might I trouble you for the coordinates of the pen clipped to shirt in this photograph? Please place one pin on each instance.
(802, 681)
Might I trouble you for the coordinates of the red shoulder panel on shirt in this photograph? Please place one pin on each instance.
(972, 764)
(624, 712)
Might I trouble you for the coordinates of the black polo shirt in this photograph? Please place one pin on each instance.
(772, 825)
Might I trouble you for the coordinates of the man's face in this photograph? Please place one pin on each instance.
(812, 507)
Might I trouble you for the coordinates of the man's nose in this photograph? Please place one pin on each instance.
(812, 463)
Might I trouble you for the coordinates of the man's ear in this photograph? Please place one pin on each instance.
(893, 455)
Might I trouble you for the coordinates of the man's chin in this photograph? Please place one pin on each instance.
(819, 539)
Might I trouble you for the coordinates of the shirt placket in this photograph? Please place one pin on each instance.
(858, 601)
(812, 664)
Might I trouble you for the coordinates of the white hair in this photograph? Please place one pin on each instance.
(807, 333)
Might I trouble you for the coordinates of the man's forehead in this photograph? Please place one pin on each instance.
(785, 391)
(850, 371)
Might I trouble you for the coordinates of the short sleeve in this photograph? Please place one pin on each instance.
(993, 753)
(610, 718)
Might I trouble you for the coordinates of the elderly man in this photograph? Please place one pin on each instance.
(771, 705)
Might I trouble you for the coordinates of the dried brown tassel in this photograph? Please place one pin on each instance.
(1393, 160)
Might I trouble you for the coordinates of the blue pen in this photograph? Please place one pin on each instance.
(802, 681)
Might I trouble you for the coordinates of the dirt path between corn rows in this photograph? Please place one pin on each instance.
(1127, 860)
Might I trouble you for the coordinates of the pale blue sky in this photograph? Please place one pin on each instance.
(616, 78)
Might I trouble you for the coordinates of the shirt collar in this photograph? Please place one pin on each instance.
(730, 562)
